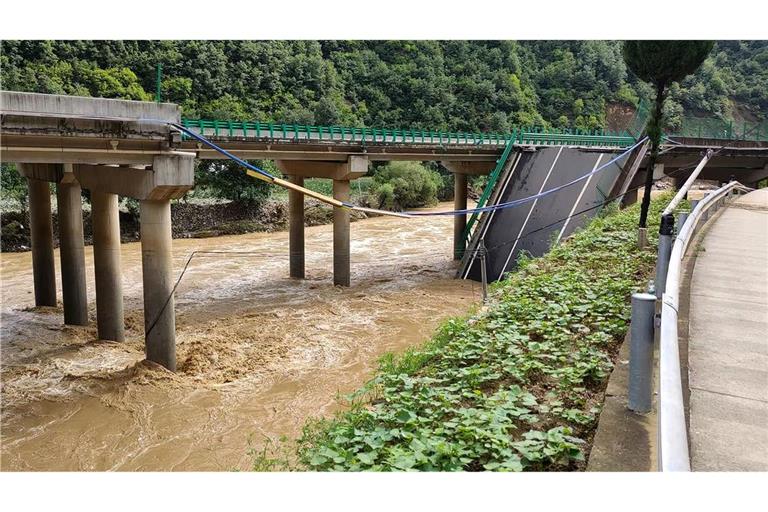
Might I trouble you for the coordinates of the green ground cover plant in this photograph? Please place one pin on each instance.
(516, 385)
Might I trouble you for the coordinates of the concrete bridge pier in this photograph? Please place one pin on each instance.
(460, 170)
(341, 173)
(459, 221)
(72, 249)
(157, 277)
(106, 263)
(296, 229)
(341, 235)
(41, 231)
(169, 177)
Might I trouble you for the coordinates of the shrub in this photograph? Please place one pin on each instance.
(400, 185)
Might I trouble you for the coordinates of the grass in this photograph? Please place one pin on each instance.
(514, 386)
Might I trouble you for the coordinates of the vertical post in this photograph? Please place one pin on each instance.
(341, 235)
(72, 253)
(642, 238)
(641, 352)
(681, 218)
(296, 229)
(159, 317)
(41, 231)
(459, 221)
(106, 266)
(666, 238)
(483, 270)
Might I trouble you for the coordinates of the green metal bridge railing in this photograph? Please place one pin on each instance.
(719, 129)
(488, 190)
(298, 133)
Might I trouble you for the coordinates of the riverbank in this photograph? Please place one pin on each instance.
(516, 386)
(194, 219)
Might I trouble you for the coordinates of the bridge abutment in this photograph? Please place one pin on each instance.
(41, 234)
(72, 250)
(296, 229)
(159, 315)
(106, 264)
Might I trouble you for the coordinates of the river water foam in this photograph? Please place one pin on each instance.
(258, 353)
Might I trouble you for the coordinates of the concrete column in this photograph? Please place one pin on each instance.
(296, 229)
(41, 231)
(106, 266)
(72, 253)
(459, 221)
(341, 235)
(159, 317)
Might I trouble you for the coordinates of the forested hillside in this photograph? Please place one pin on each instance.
(445, 85)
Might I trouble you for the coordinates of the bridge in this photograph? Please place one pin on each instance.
(147, 151)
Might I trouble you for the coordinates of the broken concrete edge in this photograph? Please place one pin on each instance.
(82, 107)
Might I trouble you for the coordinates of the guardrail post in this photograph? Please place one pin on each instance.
(666, 238)
(641, 352)
(681, 218)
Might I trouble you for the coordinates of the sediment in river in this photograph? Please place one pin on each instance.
(258, 353)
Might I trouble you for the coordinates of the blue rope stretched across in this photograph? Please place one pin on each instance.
(265, 176)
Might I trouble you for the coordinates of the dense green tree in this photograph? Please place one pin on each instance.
(661, 63)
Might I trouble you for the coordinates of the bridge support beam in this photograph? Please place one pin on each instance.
(296, 229)
(41, 231)
(72, 252)
(159, 316)
(459, 221)
(341, 236)
(106, 266)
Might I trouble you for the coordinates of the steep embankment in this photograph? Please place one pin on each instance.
(515, 386)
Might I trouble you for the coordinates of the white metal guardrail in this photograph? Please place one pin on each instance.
(672, 451)
(673, 435)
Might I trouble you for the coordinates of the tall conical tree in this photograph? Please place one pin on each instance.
(661, 63)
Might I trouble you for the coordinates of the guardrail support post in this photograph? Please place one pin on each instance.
(666, 239)
(641, 352)
(681, 218)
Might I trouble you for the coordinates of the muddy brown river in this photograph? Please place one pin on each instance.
(258, 353)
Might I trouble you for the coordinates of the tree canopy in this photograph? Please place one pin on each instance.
(439, 85)
(664, 62)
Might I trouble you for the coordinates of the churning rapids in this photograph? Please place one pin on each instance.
(258, 353)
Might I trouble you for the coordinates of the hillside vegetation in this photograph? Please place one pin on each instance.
(439, 85)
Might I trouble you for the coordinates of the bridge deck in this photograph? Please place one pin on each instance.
(728, 347)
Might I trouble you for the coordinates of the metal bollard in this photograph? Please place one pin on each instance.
(641, 352)
(666, 238)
